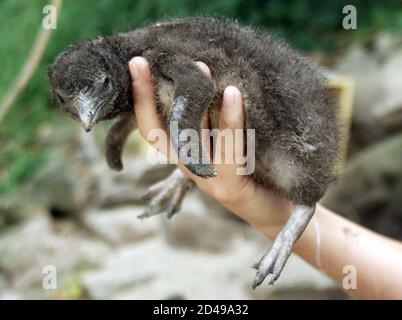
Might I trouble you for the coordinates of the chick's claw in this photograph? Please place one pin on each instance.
(273, 262)
(166, 196)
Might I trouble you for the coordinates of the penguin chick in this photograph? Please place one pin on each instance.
(285, 101)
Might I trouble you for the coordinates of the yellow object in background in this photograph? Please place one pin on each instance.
(344, 86)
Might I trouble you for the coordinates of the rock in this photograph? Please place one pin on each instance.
(388, 111)
(8, 294)
(389, 222)
(63, 186)
(144, 265)
(378, 96)
(365, 69)
(121, 225)
(195, 227)
(19, 245)
(27, 248)
(114, 194)
(392, 81)
(3, 282)
(385, 44)
(127, 268)
(154, 269)
(127, 187)
(16, 208)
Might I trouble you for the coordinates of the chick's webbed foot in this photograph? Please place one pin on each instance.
(166, 196)
(274, 260)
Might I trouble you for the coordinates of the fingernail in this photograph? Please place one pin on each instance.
(230, 95)
(134, 71)
(204, 68)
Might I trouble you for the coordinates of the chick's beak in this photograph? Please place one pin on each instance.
(87, 113)
(86, 118)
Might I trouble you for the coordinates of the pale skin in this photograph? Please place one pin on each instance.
(330, 243)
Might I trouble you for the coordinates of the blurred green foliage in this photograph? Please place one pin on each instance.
(308, 25)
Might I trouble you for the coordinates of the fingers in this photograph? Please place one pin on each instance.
(204, 68)
(143, 93)
(205, 117)
(149, 123)
(230, 142)
(231, 116)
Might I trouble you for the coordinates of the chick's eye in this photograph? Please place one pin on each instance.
(60, 98)
(106, 83)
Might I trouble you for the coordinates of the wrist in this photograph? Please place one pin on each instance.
(265, 210)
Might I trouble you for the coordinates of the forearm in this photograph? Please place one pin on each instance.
(330, 243)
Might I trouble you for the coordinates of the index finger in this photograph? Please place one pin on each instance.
(143, 94)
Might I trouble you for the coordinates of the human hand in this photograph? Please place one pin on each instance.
(262, 208)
